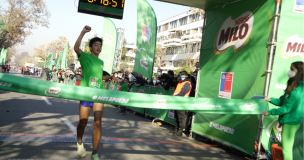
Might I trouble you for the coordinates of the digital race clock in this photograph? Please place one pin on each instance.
(105, 8)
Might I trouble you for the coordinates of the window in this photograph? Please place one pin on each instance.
(173, 24)
(158, 29)
(183, 21)
(166, 27)
(194, 17)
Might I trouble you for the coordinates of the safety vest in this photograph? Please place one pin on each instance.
(179, 88)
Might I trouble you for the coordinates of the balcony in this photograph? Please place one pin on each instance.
(191, 38)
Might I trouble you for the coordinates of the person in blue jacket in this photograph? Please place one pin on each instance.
(291, 108)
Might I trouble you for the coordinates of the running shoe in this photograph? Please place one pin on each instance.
(95, 157)
(81, 150)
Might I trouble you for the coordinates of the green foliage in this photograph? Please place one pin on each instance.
(124, 51)
(187, 69)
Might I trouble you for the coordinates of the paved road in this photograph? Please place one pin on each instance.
(36, 127)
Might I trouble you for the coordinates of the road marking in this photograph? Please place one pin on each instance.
(69, 124)
(11, 137)
(46, 101)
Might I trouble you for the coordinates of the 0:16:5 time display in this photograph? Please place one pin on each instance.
(106, 2)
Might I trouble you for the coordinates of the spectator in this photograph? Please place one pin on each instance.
(37, 72)
(195, 75)
(78, 76)
(22, 69)
(183, 89)
(170, 81)
(129, 75)
(124, 88)
(159, 72)
(8, 68)
(163, 79)
(119, 74)
(4, 68)
(60, 76)
(197, 65)
(47, 71)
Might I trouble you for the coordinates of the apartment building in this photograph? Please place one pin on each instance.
(180, 37)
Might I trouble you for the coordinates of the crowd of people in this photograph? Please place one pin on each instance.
(62, 75)
(5, 68)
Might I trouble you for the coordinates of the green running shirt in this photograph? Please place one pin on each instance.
(92, 70)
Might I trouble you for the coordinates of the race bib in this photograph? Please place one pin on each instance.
(95, 83)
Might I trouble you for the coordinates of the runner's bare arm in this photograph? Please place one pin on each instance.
(78, 42)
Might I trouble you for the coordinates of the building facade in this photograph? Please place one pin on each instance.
(180, 37)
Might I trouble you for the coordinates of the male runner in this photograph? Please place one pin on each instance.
(92, 69)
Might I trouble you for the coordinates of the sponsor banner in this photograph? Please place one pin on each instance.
(1, 25)
(146, 39)
(45, 88)
(64, 58)
(58, 61)
(3, 56)
(233, 62)
(49, 61)
(226, 85)
(140, 89)
(289, 48)
(163, 114)
(107, 54)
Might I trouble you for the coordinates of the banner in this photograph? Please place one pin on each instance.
(58, 61)
(165, 115)
(1, 25)
(107, 54)
(50, 61)
(64, 58)
(140, 89)
(290, 48)
(3, 56)
(232, 65)
(146, 39)
(46, 88)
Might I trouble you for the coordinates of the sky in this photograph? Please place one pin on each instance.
(66, 21)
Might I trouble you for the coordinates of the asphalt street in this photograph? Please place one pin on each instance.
(36, 127)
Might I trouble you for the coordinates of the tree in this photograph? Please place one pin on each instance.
(23, 58)
(159, 56)
(124, 51)
(55, 46)
(10, 53)
(19, 18)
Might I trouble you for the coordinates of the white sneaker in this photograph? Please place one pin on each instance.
(95, 157)
(81, 150)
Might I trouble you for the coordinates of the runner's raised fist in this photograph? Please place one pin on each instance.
(86, 29)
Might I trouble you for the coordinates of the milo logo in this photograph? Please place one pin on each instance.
(161, 103)
(144, 64)
(54, 92)
(249, 107)
(109, 39)
(234, 33)
(276, 135)
(293, 47)
(107, 63)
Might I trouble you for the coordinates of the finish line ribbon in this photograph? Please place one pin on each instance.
(151, 101)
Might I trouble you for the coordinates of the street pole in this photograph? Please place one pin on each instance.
(268, 73)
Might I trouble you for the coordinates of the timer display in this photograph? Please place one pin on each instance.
(105, 8)
(108, 3)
